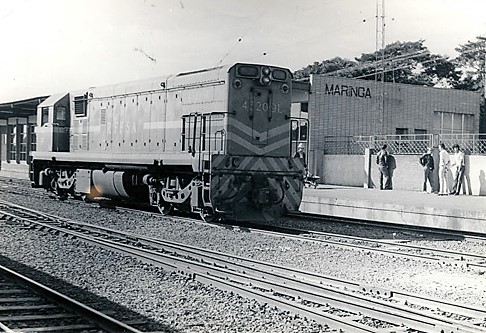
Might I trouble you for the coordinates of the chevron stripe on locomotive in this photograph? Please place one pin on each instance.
(215, 142)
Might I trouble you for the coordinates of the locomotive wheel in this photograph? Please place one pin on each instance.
(165, 208)
(208, 215)
(59, 193)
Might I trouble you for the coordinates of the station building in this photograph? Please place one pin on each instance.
(17, 138)
(347, 116)
(347, 107)
(343, 107)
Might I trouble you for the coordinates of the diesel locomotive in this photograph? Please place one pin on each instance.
(215, 142)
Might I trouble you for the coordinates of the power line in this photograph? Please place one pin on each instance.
(373, 64)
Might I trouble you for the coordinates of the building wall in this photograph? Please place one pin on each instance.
(348, 170)
(3, 141)
(351, 107)
(352, 170)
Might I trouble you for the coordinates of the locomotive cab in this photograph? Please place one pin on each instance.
(53, 120)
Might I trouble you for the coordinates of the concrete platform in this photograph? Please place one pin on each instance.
(462, 212)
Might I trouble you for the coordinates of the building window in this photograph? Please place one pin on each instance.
(22, 133)
(401, 131)
(17, 142)
(33, 138)
(420, 134)
(12, 143)
(453, 123)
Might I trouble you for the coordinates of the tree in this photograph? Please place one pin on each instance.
(401, 62)
(324, 67)
(471, 61)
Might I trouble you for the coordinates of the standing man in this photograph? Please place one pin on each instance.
(444, 165)
(427, 161)
(300, 153)
(458, 166)
(382, 161)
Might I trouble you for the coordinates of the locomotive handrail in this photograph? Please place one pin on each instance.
(148, 92)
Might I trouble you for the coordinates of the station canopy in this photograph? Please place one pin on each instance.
(20, 108)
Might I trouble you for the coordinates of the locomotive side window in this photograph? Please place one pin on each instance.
(188, 133)
(303, 131)
(61, 113)
(203, 133)
(183, 134)
(80, 106)
(45, 115)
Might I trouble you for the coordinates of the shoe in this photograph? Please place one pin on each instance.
(456, 193)
(453, 193)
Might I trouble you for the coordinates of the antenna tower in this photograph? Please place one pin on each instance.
(380, 65)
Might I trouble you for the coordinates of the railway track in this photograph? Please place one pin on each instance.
(28, 306)
(344, 305)
(392, 247)
(389, 247)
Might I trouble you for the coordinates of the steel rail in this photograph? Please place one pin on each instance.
(100, 319)
(432, 231)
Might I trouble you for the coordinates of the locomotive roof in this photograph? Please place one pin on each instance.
(157, 83)
(51, 100)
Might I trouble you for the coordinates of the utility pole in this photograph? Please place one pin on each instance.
(380, 66)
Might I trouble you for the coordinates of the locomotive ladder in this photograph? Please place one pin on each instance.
(206, 150)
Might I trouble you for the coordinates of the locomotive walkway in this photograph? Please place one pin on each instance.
(462, 213)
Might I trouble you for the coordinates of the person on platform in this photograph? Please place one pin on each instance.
(382, 161)
(444, 168)
(457, 167)
(300, 153)
(427, 162)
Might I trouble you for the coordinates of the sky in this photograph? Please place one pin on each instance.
(54, 46)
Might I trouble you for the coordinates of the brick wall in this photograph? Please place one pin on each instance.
(350, 107)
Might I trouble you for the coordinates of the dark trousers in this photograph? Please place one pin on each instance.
(385, 178)
(458, 179)
(428, 177)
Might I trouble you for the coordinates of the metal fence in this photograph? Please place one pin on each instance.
(410, 144)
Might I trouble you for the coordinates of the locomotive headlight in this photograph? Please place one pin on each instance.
(285, 88)
(266, 71)
(265, 80)
(237, 84)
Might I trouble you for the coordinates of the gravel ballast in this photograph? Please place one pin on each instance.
(183, 305)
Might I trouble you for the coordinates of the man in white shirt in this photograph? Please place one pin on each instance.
(444, 165)
(457, 167)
